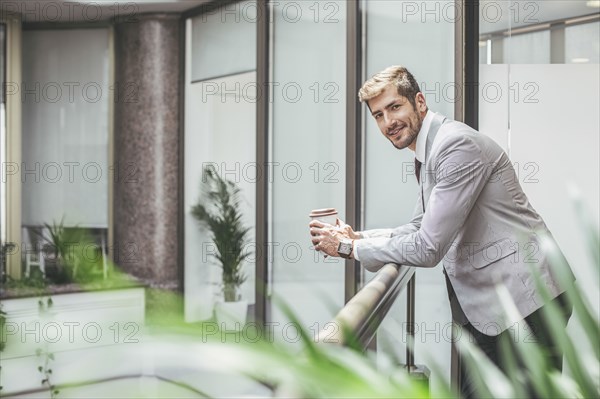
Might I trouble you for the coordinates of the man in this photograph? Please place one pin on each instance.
(471, 215)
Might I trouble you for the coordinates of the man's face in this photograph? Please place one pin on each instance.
(396, 117)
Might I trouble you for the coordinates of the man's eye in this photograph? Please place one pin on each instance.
(395, 106)
(377, 116)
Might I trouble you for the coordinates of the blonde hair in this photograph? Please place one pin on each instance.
(397, 75)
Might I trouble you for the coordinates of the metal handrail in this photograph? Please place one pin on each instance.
(360, 318)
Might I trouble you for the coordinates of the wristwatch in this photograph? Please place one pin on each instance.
(345, 248)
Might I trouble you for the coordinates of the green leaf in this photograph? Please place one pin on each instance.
(488, 379)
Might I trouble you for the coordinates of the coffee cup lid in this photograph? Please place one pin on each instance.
(323, 212)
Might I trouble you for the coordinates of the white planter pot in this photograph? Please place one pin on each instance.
(231, 316)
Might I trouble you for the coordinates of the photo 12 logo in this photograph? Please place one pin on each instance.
(490, 92)
(70, 172)
(287, 172)
(289, 92)
(71, 92)
(52, 332)
(327, 12)
(490, 12)
(70, 11)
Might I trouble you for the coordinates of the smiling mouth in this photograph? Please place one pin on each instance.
(395, 132)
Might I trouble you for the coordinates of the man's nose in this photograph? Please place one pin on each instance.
(388, 122)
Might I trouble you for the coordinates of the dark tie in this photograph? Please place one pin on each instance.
(418, 170)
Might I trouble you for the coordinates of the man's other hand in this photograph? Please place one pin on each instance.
(348, 231)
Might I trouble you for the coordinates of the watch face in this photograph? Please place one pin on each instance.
(345, 248)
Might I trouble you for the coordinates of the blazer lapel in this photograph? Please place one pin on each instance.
(427, 172)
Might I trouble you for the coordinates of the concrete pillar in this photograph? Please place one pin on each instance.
(146, 146)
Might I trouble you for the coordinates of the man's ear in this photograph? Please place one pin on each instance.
(420, 102)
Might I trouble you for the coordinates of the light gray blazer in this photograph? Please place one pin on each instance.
(476, 221)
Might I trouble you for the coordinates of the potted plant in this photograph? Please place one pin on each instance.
(218, 210)
(62, 249)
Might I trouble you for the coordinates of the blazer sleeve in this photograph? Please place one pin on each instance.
(410, 227)
(460, 175)
(415, 223)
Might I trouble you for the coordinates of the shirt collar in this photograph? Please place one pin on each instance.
(422, 136)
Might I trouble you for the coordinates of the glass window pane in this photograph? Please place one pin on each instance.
(224, 41)
(484, 48)
(582, 43)
(540, 32)
(2, 132)
(65, 127)
(308, 153)
(418, 35)
(220, 130)
(523, 108)
(550, 172)
(527, 48)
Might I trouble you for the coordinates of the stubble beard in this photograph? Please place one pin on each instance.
(414, 126)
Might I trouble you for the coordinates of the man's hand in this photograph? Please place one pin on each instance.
(326, 238)
(347, 229)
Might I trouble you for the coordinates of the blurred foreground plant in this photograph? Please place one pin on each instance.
(318, 370)
(529, 373)
(324, 371)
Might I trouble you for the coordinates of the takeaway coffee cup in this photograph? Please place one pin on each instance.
(326, 215)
